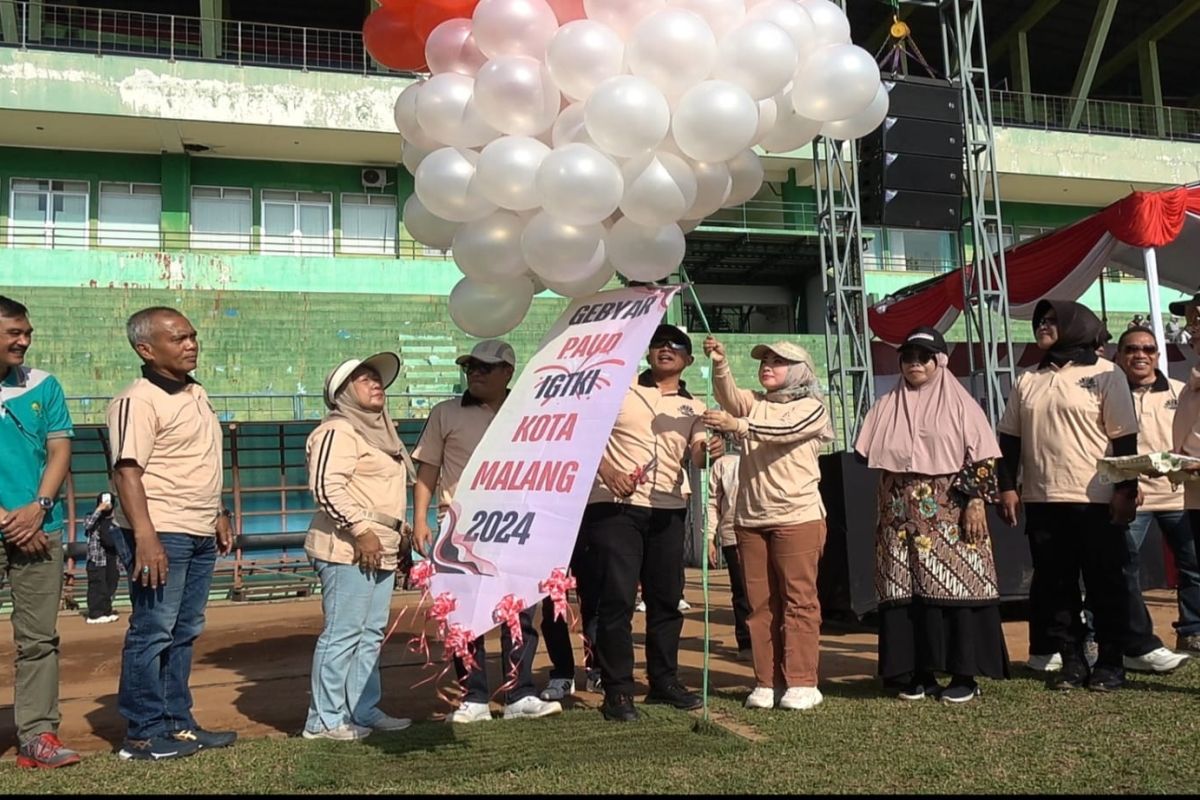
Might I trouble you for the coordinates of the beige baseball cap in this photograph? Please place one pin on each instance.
(788, 350)
(386, 364)
(490, 351)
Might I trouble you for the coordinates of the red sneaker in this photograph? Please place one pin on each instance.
(45, 751)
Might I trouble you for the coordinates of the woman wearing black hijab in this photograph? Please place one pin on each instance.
(1062, 417)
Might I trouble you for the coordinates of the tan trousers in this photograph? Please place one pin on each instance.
(780, 567)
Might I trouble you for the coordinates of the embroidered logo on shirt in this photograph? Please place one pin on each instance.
(1090, 383)
(36, 408)
(1172, 404)
(686, 410)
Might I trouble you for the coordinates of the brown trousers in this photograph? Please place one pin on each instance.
(780, 567)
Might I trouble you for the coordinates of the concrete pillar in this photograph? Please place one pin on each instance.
(212, 13)
(176, 200)
(1152, 83)
(36, 12)
(9, 32)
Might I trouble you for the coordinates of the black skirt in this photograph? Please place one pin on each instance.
(956, 639)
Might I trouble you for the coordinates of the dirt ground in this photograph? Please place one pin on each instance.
(251, 667)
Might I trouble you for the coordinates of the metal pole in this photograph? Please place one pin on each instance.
(1150, 259)
(99, 31)
(172, 37)
(304, 47)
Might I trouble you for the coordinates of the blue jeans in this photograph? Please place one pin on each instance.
(345, 669)
(156, 661)
(1178, 534)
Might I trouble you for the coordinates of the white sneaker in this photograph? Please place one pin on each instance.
(801, 698)
(1158, 660)
(470, 712)
(530, 708)
(558, 688)
(1051, 662)
(761, 697)
(684, 605)
(641, 606)
(386, 723)
(348, 732)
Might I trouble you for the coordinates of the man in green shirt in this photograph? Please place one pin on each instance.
(35, 440)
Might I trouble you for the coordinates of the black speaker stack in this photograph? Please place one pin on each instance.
(911, 166)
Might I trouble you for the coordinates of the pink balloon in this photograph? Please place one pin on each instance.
(566, 10)
(451, 48)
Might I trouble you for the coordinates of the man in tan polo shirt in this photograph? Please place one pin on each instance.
(453, 431)
(167, 472)
(1155, 397)
(633, 527)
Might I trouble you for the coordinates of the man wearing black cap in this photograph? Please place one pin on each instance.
(633, 528)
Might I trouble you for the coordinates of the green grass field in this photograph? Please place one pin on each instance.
(1018, 738)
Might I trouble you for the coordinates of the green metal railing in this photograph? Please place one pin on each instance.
(1108, 117)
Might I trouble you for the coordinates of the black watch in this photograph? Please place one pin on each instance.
(45, 504)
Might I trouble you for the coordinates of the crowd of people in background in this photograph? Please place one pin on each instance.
(940, 466)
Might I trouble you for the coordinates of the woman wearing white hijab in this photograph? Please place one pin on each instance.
(358, 472)
(779, 519)
(935, 573)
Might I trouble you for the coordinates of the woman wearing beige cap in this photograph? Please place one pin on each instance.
(778, 517)
(358, 472)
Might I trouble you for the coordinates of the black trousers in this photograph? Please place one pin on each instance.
(737, 590)
(1067, 540)
(557, 634)
(476, 681)
(102, 583)
(625, 544)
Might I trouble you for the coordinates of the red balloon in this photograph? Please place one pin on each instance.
(428, 14)
(389, 37)
(567, 10)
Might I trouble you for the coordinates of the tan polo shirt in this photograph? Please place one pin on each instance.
(1186, 433)
(722, 494)
(453, 431)
(171, 431)
(1066, 418)
(652, 434)
(1155, 405)
(778, 474)
(349, 477)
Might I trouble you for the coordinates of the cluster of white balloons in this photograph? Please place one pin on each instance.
(550, 151)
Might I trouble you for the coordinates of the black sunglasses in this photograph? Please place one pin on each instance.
(478, 366)
(915, 356)
(678, 347)
(1148, 349)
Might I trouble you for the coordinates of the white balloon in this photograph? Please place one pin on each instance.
(585, 286)
(835, 82)
(792, 17)
(427, 228)
(579, 185)
(659, 188)
(507, 172)
(405, 111)
(792, 131)
(513, 27)
(516, 95)
(569, 128)
(645, 254)
(486, 310)
(413, 154)
(621, 15)
(626, 115)
(759, 56)
(861, 123)
(583, 54)
(539, 286)
(489, 249)
(689, 225)
(713, 186)
(451, 48)
(674, 49)
(829, 21)
(445, 182)
(447, 112)
(560, 251)
(768, 112)
(746, 172)
(721, 15)
(714, 121)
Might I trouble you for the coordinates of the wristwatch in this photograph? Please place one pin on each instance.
(45, 503)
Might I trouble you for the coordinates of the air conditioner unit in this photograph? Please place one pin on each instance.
(374, 178)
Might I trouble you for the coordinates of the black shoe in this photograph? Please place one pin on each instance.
(674, 694)
(1073, 675)
(156, 748)
(207, 740)
(1106, 679)
(619, 708)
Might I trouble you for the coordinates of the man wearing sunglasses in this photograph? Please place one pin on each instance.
(633, 528)
(454, 429)
(1155, 396)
